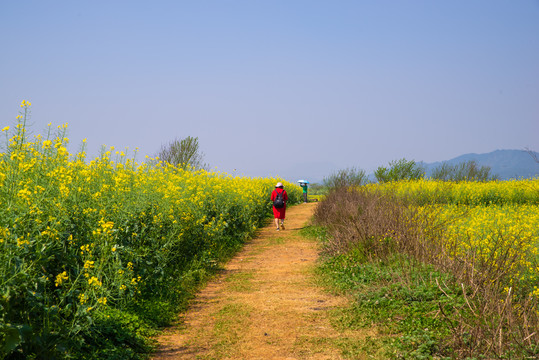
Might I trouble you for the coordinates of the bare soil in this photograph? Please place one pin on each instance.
(264, 305)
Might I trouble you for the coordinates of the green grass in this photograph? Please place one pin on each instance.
(278, 240)
(397, 297)
(229, 322)
(240, 281)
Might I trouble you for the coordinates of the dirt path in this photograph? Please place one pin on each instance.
(264, 305)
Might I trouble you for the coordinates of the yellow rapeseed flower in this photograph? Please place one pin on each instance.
(94, 281)
(83, 299)
(84, 248)
(60, 278)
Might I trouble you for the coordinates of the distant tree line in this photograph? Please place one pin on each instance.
(186, 153)
(465, 171)
(403, 169)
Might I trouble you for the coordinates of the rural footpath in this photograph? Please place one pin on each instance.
(265, 304)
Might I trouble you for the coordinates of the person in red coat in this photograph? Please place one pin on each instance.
(279, 211)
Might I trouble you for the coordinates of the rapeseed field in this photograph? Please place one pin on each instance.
(93, 251)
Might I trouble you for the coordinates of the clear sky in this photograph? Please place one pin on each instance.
(295, 88)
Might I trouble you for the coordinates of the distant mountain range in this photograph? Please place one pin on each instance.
(507, 164)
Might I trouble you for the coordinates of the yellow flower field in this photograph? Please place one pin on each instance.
(492, 232)
(80, 238)
(425, 191)
(495, 222)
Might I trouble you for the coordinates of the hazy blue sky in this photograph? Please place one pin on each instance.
(290, 88)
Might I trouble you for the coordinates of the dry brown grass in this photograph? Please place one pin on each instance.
(492, 320)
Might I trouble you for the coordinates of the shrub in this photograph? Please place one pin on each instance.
(345, 178)
(465, 171)
(184, 153)
(399, 170)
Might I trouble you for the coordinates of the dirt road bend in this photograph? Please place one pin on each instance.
(265, 304)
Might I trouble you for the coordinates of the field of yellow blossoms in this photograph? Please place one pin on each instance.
(495, 222)
(90, 250)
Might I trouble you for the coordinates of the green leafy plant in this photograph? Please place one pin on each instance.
(399, 170)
